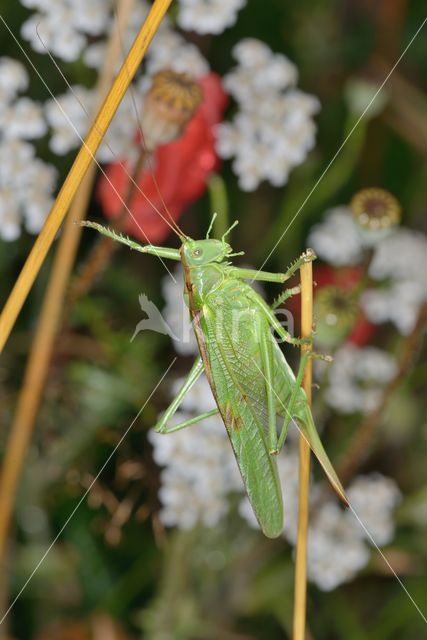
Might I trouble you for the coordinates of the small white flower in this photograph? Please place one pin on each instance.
(356, 378)
(54, 32)
(65, 109)
(335, 551)
(400, 256)
(10, 219)
(337, 547)
(373, 498)
(26, 185)
(90, 16)
(119, 141)
(402, 259)
(13, 79)
(399, 303)
(23, 119)
(208, 16)
(337, 240)
(62, 27)
(273, 130)
(169, 50)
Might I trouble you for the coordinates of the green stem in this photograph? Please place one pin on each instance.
(219, 204)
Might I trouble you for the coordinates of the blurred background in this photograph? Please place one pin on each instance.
(162, 543)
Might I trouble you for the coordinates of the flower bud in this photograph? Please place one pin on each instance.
(335, 311)
(169, 105)
(376, 212)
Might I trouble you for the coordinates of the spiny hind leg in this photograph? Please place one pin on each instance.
(287, 293)
(191, 379)
(274, 322)
(289, 409)
(292, 400)
(307, 256)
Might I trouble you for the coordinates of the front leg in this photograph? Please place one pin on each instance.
(266, 276)
(189, 422)
(162, 252)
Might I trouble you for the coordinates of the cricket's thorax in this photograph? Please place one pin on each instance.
(200, 282)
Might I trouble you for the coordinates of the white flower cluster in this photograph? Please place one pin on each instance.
(337, 543)
(26, 183)
(402, 260)
(208, 16)
(199, 466)
(64, 26)
(273, 129)
(65, 137)
(69, 117)
(399, 264)
(168, 50)
(356, 378)
(336, 240)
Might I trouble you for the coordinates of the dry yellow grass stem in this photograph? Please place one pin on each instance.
(41, 349)
(79, 168)
(300, 604)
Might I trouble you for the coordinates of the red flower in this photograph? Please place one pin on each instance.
(181, 169)
(344, 280)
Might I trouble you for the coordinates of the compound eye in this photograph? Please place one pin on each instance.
(197, 253)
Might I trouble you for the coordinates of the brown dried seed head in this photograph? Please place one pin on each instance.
(169, 105)
(375, 209)
(336, 306)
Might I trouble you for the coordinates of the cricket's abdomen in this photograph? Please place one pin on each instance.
(229, 327)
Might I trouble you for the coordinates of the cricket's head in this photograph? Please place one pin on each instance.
(197, 253)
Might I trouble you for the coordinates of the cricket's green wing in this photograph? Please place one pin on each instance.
(284, 379)
(233, 366)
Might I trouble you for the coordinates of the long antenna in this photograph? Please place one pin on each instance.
(148, 154)
(235, 223)
(211, 225)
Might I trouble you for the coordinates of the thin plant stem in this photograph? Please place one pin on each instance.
(79, 168)
(361, 444)
(105, 247)
(42, 345)
(219, 204)
(300, 600)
